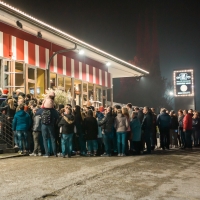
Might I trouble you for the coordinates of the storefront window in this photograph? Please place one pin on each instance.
(68, 85)
(19, 80)
(98, 93)
(13, 75)
(77, 92)
(40, 81)
(53, 80)
(19, 67)
(61, 82)
(31, 73)
(90, 92)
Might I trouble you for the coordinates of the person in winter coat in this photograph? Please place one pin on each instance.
(173, 129)
(67, 124)
(121, 125)
(79, 130)
(21, 124)
(129, 146)
(91, 132)
(48, 119)
(196, 128)
(180, 128)
(108, 123)
(187, 128)
(136, 132)
(99, 116)
(163, 122)
(36, 133)
(147, 125)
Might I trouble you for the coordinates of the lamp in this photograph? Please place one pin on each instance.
(39, 35)
(81, 52)
(19, 24)
(108, 64)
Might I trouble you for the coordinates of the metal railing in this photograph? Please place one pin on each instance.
(6, 133)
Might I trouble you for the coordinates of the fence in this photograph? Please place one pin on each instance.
(6, 133)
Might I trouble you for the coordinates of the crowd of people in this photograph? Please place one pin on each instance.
(41, 128)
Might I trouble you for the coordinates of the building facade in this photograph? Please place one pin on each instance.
(24, 57)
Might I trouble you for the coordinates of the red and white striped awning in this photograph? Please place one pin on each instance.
(21, 50)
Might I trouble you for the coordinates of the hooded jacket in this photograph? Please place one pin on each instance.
(21, 121)
(67, 123)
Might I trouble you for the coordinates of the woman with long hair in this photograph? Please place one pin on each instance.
(91, 130)
(121, 125)
(79, 130)
(125, 112)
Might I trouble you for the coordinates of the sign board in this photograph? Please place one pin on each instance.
(184, 83)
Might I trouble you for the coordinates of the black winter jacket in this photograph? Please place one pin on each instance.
(67, 123)
(91, 128)
(147, 122)
(174, 122)
(108, 122)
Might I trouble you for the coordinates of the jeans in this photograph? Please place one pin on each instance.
(66, 144)
(173, 137)
(182, 134)
(108, 142)
(48, 131)
(37, 148)
(16, 138)
(121, 142)
(164, 138)
(196, 137)
(92, 145)
(22, 139)
(188, 138)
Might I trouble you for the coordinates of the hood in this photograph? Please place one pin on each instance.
(21, 113)
(69, 119)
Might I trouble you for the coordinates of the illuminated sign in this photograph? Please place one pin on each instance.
(184, 83)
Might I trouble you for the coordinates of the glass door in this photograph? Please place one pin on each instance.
(31, 77)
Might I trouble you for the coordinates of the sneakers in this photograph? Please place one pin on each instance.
(39, 154)
(33, 154)
(20, 152)
(123, 155)
(16, 147)
(105, 155)
(119, 155)
(46, 156)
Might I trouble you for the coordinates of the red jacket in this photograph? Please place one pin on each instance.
(187, 122)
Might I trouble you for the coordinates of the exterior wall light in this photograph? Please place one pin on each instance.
(39, 35)
(81, 52)
(108, 64)
(19, 24)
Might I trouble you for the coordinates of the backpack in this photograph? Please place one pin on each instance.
(46, 117)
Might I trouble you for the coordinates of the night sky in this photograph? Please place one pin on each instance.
(111, 26)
